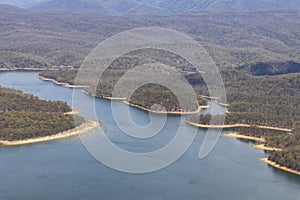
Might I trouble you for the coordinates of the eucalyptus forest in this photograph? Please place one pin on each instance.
(24, 116)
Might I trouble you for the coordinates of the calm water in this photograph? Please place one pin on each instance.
(65, 170)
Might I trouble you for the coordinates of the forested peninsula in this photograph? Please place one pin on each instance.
(266, 97)
(25, 119)
(263, 103)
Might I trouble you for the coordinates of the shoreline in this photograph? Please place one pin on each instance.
(87, 126)
(263, 147)
(67, 85)
(90, 125)
(124, 99)
(167, 112)
(107, 98)
(73, 112)
(240, 136)
(222, 104)
(275, 165)
(112, 98)
(236, 126)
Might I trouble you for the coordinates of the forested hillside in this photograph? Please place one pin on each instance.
(23, 116)
(37, 39)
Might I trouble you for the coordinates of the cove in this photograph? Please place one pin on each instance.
(64, 169)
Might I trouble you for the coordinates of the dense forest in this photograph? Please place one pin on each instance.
(14, 100)
(271, 69)
(157, 94)
(265, 94)
(261, 94)
(46, 39)
(24, 116)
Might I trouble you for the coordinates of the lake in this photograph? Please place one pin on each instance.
(64, 169)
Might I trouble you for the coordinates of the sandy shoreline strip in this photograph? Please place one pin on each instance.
(67, 85)
(74, 111)
(108, 98)
(208, 97)
(273, 164)
(86, 127)
(222, 104)
(237, 126)
(263, 147)
(114, 98)
(240, 136)
(166, 112)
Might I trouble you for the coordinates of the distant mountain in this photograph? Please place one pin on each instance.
(154, 7)
(108, 7)
(224, 5)
(21, 3)
(132, 7)
(250, 5)
(147, 9)
(74, 5)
